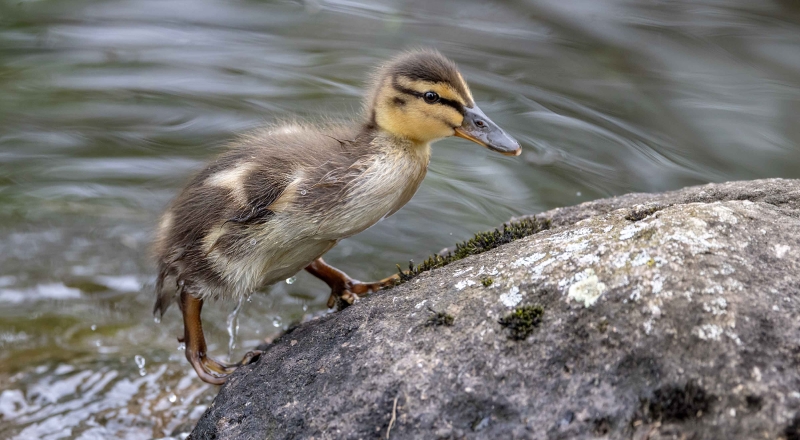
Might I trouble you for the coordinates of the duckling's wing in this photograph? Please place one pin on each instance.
(243, 188)
(225, 192)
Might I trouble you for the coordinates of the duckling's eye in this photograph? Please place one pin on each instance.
(431, 97)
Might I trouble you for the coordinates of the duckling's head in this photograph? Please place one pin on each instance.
(421, 96)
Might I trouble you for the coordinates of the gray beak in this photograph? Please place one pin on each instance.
(478, 128)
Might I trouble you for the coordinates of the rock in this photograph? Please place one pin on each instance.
(644, 316)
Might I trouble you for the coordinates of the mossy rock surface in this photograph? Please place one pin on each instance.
(656, 316)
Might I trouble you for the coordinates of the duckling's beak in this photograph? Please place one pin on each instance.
(478, 128)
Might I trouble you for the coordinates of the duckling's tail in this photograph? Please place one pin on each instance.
(164, 297)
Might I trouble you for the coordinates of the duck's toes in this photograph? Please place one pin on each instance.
(362, 289)
(215, 372)
(250, 357)
(340, 300)
(345, 290)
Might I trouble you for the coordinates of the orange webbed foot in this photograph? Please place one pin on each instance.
(345, 290)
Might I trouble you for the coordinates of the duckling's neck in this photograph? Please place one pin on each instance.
(419, 152)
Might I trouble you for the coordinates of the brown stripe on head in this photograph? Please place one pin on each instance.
(432, 67)
(422, 66)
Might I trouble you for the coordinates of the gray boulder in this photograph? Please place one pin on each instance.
(647, 316)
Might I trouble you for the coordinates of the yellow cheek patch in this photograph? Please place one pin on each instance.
(411, 117)
(424, 122)
(441, 113)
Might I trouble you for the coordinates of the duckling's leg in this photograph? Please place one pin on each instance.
(210, 370)
(342, 286)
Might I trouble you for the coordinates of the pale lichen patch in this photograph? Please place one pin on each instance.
(620, 260)
(648, 326)
(724, 214)
(657, 284)
(708, 332)
(588, 290)
(727, 269)
(462, 272)
(541, 266)
(734, 337)
(716, 306)
(576, 247)
(629, 231)
(461, 285)
(527, 261)
(511, 298)
(580, 276)
(641, 259)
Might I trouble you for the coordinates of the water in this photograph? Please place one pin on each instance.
(233, 326)
(107, 107)
(140, 362)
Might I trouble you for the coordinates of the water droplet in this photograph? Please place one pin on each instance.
(303, 192)
(253, 241)
(97, 343)
(173, 398)
(305, 307)
(140, 363)
(291, 280)
(94, 327)
(578, 193)
(233, 327)
(182, 346)
(276, 321)
(157, 320)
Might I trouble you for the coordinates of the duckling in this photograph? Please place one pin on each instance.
(281, 197)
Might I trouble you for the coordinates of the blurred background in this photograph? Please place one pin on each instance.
(108, 106)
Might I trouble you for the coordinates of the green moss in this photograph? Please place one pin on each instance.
(487, 281)
(481, 242)
(439, 318)
(522, 321)
(641, 213)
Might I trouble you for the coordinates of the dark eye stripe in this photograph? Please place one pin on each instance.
(448, 102)
(455, 104)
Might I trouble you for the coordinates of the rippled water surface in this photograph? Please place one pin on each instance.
(106, 108)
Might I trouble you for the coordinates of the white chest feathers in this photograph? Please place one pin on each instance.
(384, 183)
